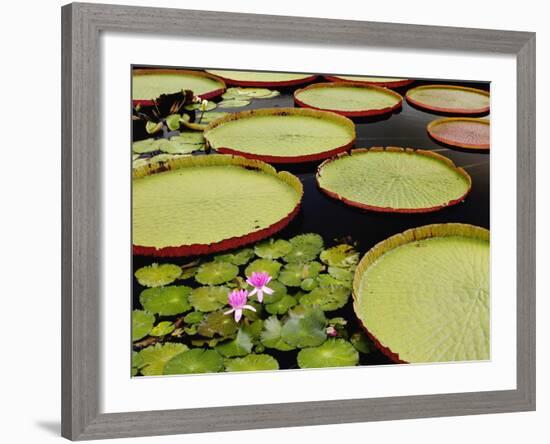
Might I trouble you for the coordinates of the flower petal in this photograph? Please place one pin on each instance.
(248, 307)
(238, 314)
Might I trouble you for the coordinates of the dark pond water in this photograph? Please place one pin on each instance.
(334, 220)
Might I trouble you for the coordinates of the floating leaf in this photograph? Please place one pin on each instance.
(166, 301)
(361, 343)
(271, 335)
(294, 273)
(305, 327)
(341, 274)
(209, 298)
(142, 323)
(215, 273)
(137, 363)
(332, 353)
(254, 315)
(216, 323)
(139, 163)
(197, 106)
(305, 247)
(156, 275)
(266, 265)
(194, 317)
(173, 147)
(309, 284)
(326, 280)
(240, 257)
(203, 342)
(155, 357)
(273, 248)
(173, 122)
(188, 273)
(254, 330)
(189, 138)
(282, 305)
(233, 103)
(252, 363)
(211, 116)
(153, 127)
(194, 361)
(240, 346)
(327, 298)
(253, 92)
(279, 290)
(162, 329)
(144, 146)
(343, 256)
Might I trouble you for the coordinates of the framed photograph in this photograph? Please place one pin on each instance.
(278, 221)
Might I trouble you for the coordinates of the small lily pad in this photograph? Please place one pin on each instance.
(267, 265)
(294, 273)
(271, 335)
(211, 116)
(194, 361)
(309, 284)
(174, 147)
(162, 328)
(173, 122)
(240, 257)
(215, 273)
(142, 323)
(252, 363)
(233, 103)
(361, 343)
(137, 363)
(282, 305)
(240, 346)
(305, 327)
(327, 298)
(194, 317)
(156, 275)
(217, 323)
(188, 273)
(209, 298)
(197, 106)
(306, 247)
(254, 330)
(326, 280)
(343, 256)
(273, 248)
(189, 138)
(166, 301)
(144, 146)
(279, 290)
(341, 274)
(333, 353)
(153, 127)
(154, 358)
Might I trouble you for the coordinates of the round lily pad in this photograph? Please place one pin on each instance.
(261, 79)
(217, 323)
(198, 106)
(149, 84)
(332, 353)
(162, 328)
(341, 274)
(282, 305)
(252, 363)
(279, 290)
(271, 335)
(194, 317)
(449, 99)
(266, 265)
(241, 201)
(342, 256)
(309, 284)
(281, 135)
(423, 295)
(215, 273)
(189, 137)
(240, 257)
(305, 327)
(166, 301)
(154, 357)
(349, 99)
(211, 116)
(142, 323)
(234, 103)
(327, 298)
(194, 361)
(273, 248)
(240, 346)
(305, 247)
(209, 298)
(394, 180)
(144, 146)
(387, 82)
(294, 273)
(156, 275)
(462, 132)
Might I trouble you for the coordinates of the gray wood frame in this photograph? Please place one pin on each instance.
(81, 232)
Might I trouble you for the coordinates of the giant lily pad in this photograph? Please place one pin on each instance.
(209, 298)
(332, 353)
(194, 361)
(261, 79)
(252, 363)
(423, 295)
(281, 135)
(394, 180)
(349, 99)
(205, 204)
(387, 82)
(305, 327)
(305, 247)
(462, 132)
(154, 358)
(148, 84)
(166, 301)
(449, 99)
(215, 273)
(156, 275)
(142, 323)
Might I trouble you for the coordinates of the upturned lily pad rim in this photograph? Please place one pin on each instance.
(229, 243)
(206, 96)
(398, 83)
(439, 138)
(259, 83)
(441, 109)
(308, 112)
(394, 149)
(397, 240)
(359, 113)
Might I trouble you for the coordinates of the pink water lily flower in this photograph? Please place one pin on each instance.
(237, 299)
(259, 280)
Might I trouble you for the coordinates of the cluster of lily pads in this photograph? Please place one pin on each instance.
(237, 97)
(238, 311)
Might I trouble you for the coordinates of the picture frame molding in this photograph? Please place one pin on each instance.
(82, 24)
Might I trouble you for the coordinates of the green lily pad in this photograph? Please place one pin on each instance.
(361, 343)
(155, 357)
(271, 335)
(142, 323)
(267, 265)
(305, 327)
(173, 122)
(189, 138)
(139, 163)
(234, 103)
(241, 257)
(279, 290)
(209, 298)
(271, 95)
(175, 147)
(162, 329)
(309, 284)
(156, 275)
(240, 346)
(273, 248)
(137, 363)
(166, 301)
(327, 298)
(188, 273)
(342, 256)
(254, 330)
(326, 280)
(341, 274)
(332, 353)
(211, 116)
(194, 317)
(144, 146)
(194, 361)
(153, 127)
(261, 78)
(305, 248)
(282, 305)
(215, 273)
(294, 273)
(197, 106)
(217, 324)
(252, 363)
